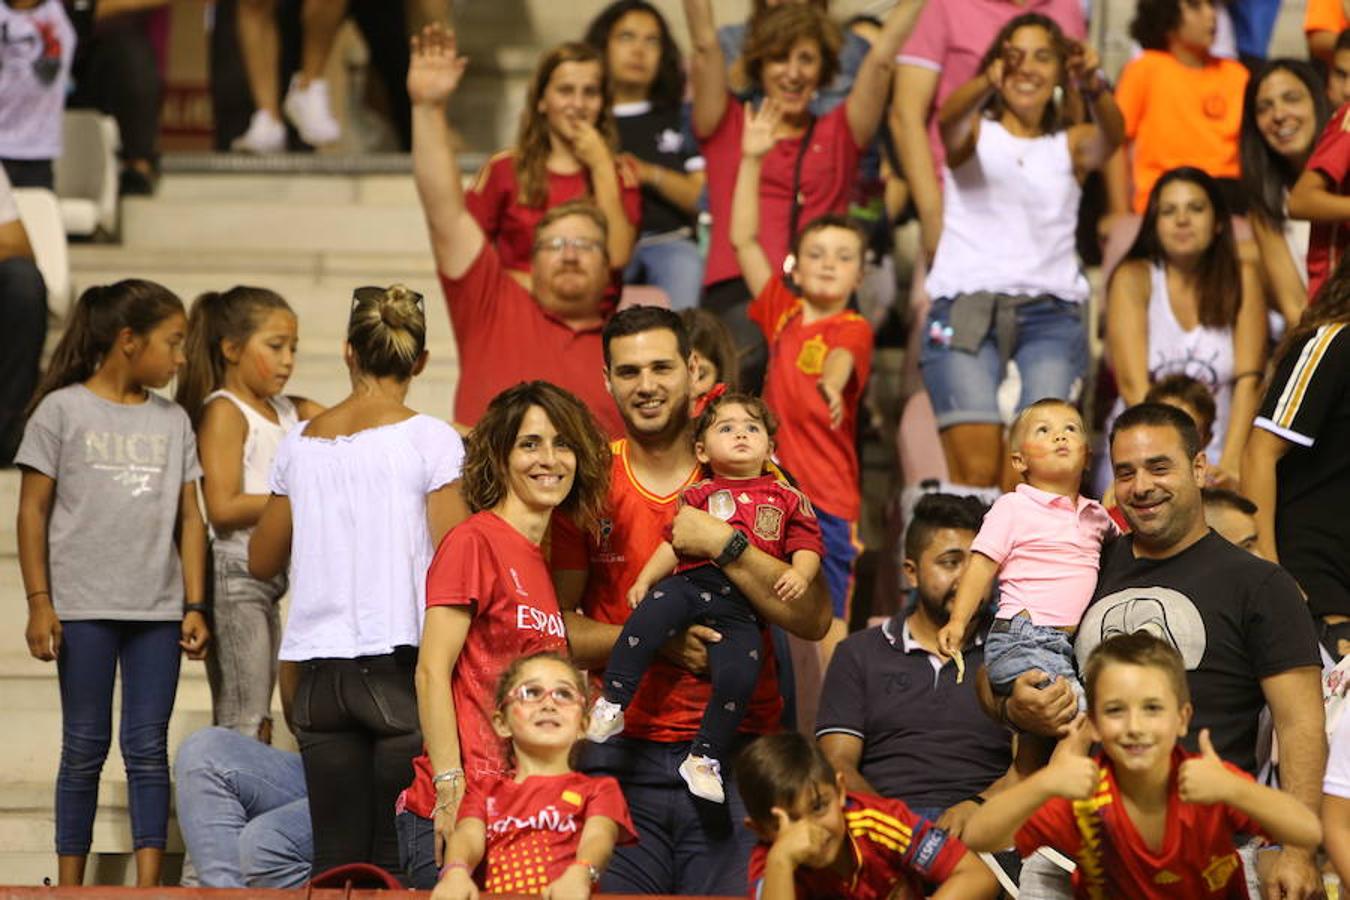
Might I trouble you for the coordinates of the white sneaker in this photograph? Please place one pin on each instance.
(310, 113)
(606, 721)
(703, 774)
(265, 134)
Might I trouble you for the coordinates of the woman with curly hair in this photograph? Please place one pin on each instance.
(490, 598)
(564, 151)
(1283, 112)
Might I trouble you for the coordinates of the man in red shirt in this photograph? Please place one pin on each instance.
(685, 845)
(505, 334)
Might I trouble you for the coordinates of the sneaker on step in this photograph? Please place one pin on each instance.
(265, 134)
(310, 113)
(703, 774)
(606, 721)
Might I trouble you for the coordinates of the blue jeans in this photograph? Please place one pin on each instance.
(674, 266)
(1015, 645)
(243, 810)
(685, 845)
(91, 652)
(417, 850)
(1051, 353)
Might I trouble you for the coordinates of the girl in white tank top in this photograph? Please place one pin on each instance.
(1182, 303)
(240, 350)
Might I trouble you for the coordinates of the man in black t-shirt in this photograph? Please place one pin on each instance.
(893, 720)
(1296, 467)
(1239, 622)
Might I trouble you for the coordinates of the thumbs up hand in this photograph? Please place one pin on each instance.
(1205, 779)
(1072, 774)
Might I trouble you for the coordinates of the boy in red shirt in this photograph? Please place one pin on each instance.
(1143, 818)
(1322, 196)
(819, 840)
(820, 354)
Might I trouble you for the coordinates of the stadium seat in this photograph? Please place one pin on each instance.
(40, 212)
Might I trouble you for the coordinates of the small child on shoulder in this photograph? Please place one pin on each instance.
(733, 437)
(819, 840)
(1043, 541)
(1143, 808)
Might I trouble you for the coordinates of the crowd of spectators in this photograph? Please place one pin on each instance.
(1102, 683)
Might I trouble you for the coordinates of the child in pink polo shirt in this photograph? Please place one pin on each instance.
(1043, 541)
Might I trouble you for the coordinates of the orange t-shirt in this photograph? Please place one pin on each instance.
(1324, 15)
(1179, 116)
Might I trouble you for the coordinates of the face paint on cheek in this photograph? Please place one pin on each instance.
(261, 367)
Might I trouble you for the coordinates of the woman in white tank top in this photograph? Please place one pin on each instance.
(1284, 112)
(1006, 281)
(1182, 303)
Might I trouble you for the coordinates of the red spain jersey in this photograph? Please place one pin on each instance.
(824, 460)
(534, 826)
(890, 844)
(487, 565)
(1197, 859)
(776, 517)
(1327, 240)
(669, 703)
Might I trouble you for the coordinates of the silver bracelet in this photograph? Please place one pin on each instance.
(451, 775)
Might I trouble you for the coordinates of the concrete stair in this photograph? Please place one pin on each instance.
(312, 239)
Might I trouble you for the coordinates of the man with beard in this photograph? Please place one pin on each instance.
(893, 720)
(1238, 621)
(686, 845)
(505, 334)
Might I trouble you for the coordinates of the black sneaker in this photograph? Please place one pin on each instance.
(135, 183)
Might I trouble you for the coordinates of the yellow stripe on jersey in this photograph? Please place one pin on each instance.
(1296, 388)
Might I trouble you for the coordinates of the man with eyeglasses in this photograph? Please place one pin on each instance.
(504, 333)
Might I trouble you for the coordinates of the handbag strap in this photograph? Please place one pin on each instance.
(797, 201)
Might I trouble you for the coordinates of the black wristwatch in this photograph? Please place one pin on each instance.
(735, 546)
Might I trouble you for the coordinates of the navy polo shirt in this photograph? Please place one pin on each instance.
(926, 740)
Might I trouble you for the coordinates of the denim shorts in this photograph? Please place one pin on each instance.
(1051, 354)
(1015, 645)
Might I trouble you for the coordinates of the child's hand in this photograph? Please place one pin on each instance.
(637, 592)
(790, 585)
(757, 138)
(1072, 773)
(797, 840)
(43, 633)
(1205, 779)
(435, 66)
(951, 637)
(456, 884)
(573, 884)
(834, 399)
(195, 635)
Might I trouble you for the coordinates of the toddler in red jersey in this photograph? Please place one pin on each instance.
(733, 437)
(543, 829)
(818, 839)
(1143, 818)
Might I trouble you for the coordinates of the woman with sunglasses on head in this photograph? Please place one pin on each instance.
(490, 597)
(360, 496)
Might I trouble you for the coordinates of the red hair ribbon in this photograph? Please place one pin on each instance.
(701, 406)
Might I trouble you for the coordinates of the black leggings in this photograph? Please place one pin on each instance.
(356, 722)
(698, 596)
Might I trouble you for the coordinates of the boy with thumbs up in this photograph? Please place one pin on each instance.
(1143, 818)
